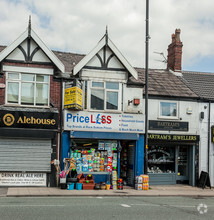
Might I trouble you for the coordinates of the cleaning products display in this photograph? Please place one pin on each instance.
(94, 165)
(102, 157)
(114, 180)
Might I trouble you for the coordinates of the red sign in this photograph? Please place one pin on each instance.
(2, 85)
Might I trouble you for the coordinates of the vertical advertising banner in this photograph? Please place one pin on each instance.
(73, 96)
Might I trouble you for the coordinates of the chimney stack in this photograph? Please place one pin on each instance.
(175, 52)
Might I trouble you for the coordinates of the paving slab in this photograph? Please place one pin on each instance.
(3, 191)
(177, 190)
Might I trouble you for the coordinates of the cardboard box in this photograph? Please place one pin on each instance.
(138, 186)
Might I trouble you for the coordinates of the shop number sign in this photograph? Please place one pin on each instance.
(23, 179)
(86, 121)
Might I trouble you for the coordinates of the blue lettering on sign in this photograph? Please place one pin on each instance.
(86, 119)
(81, 119)
(98, 119)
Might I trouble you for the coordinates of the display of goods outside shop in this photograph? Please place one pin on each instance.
(88, 183)
(80, 178)
(145, 178)
(142, 182)
(145, 186)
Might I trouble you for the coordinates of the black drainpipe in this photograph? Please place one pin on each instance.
(208, 150)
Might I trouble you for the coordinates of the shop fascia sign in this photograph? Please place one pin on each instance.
(103, 122)
(21, 119)
(173, 137)
(168, 125)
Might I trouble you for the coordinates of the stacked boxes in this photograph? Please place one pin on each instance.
(138, 182)
(145, 182)
(114, 180)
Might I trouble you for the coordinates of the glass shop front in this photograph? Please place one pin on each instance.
(171, 162)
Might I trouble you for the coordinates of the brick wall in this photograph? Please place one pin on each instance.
(2, 91)
(55, 93)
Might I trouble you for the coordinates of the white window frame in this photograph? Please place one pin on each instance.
(89, 88)
(19, 95)
(169, 117)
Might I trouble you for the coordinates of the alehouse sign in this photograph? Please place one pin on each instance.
(20, 119)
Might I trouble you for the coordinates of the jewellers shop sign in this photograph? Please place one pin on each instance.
(21, 119)
(168, 125)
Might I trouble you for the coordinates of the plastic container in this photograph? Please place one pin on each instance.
(145, 178)
(120, 186)
(139, 179)
(63, 185)
(70, 186)
(79, 186)
(138, 186)
(88, 186)
(145, 186)
(108, 186)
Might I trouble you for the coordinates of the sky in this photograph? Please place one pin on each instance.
(77, 26)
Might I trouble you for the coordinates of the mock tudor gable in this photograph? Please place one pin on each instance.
(29, 48)
(106, 57)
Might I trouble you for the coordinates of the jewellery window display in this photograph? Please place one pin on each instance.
(161, 159)
(94, 156)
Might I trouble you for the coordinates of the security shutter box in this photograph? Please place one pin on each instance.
(25, 155)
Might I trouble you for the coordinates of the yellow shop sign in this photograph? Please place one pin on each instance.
(73, 98)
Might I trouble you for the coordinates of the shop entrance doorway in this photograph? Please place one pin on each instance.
(127, 162)
(182, 164)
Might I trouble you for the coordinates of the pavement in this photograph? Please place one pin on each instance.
(161, 190)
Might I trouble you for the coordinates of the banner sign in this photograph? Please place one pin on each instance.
(212, 134)
(173, 137)
(103, 122)
(168, 125)
(23, 179)
(73, 98)
(73, 95)
(21, 119)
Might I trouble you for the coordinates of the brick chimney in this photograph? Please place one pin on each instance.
(175, 52)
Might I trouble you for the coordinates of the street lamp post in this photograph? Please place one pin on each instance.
(146, 86)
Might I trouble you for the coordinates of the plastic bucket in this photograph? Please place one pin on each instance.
(79, 186)
(108, 186)
(70, 186)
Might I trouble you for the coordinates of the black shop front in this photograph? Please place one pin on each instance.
(172, 159)
(28, 142)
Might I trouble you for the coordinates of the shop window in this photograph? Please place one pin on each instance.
(94, 156)
(105, 96)
(161, 159)
(27, 89)
(169, 109)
